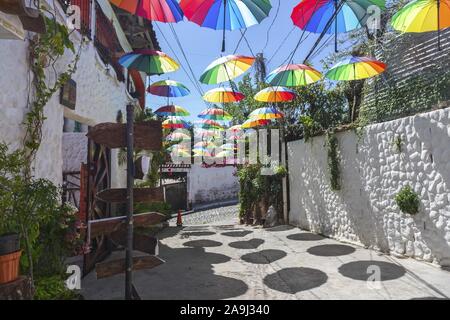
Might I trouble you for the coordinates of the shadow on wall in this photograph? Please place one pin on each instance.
(293, 280)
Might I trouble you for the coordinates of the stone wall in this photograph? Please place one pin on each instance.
(372, 173)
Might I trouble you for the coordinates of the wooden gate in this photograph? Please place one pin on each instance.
(99, 178)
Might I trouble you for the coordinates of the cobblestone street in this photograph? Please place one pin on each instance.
(212, 257)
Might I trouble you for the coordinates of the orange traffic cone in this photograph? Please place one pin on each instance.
(179, 221)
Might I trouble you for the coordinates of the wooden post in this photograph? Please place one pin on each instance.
(130, 183)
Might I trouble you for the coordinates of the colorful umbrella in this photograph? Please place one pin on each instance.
(226, 14)
(201, 153)
(177, 147)
(423, 16)
(251, 123)
(228, 146)
(204, 144)
(226, 69)
(356, 68)
(149, 61)
(223, 95)
(235, 128)
(235, 137)
(225, 154)
(333, 16)
(176, 136)
(181, 154)
(172, 110)
(174, 123)
(168, 88)
(265, 113)
(275, 94)
(215, 114)
(293, 75)
(207, 133)
(153, 10)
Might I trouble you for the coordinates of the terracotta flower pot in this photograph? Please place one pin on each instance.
(9, 266)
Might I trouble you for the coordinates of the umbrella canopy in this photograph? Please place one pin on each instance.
(235, 137)
(207, 133)
(225, 154)
(174, 123)
(201, 153)
(313, 15)
(293, 75)
(215, 114)
(172, 110)
(209, 124)
(176, 136)
(149, 61)
(251, 123)
(177, 147)
(356, 68)
(181, 154)
(223, 95)
(168, 88)
(235, 128)
(226, 14)
(228, 146)
(266, 114)
(153, 10)
(226, 68)
(204, 144)
(275, 94)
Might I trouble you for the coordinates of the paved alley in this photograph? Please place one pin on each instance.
(224, 260)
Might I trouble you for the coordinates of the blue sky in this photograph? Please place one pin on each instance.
(203, 45)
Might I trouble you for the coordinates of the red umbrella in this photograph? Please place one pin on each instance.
(153, 10)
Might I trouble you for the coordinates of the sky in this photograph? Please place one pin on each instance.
(203, 45)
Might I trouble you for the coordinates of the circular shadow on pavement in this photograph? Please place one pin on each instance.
(198, 233)
(250, 244)
(362, 270)
(264, 256)
(305, 236)
(293, 280)
(202, 243)
(280, 228)
(331, 250)
(236, 233)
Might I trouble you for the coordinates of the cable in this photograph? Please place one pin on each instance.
(271, 25)
(281, 44)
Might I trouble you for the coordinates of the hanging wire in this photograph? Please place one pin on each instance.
(271, 25)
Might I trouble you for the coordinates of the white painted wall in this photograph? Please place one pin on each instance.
(211, 184)
(99, 97)
(372, 172)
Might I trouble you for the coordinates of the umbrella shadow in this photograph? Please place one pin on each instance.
(197, 234)
(202, 243)
(250, 244)
(280, 228)
(236, 234)
(293, 280)
(305, 236)
(264, 256)
(362, 270)
(331, 250)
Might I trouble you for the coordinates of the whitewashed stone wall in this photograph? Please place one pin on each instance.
(99, 97)
(74, 151)
(211, 184)
(372, 172)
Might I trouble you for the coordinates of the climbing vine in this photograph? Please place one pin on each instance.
(45, 51)
(333, 160)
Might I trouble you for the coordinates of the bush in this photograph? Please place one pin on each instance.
(407, 200)
(160, 207)
(54, 288)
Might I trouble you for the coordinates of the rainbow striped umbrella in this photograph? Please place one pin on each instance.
(275, 94)
(356, 68)
(172, 110)
(226, 14)
(174, 123)
(293, 75)
(235, 137)
(151, 62)
(266, 113)
(225, 154)
(251, 123)
(423, 16)
(345, 15)
(181, 154)
(228, 146)
(203, 133)
(235, 128)
(226, 68)
(215, 114)
(209, 124)
(178, 136)
(205, 144)
(168, 88)
(201, 153)
(223, 95)
(153, 10)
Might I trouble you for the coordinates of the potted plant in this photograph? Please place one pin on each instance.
(9, 257)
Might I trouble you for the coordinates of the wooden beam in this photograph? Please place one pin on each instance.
(141, 242)
(139, 195)
(147, 135)
(110, 225)
(113, 267)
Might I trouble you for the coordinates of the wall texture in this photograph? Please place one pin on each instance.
(211, 184)
(99, 97)
(372, 172)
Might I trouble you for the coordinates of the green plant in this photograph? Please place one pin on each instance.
(54, 288)
(333, 160)
(160, 207)
(398, 142)
(309, 127)
(45, 51)
(407, 200)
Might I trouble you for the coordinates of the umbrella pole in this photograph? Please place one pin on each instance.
(439, 24)
(335, 26)
(224, 20)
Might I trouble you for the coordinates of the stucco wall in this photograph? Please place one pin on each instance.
(99, 97)
(211, 184)
(372, 172)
